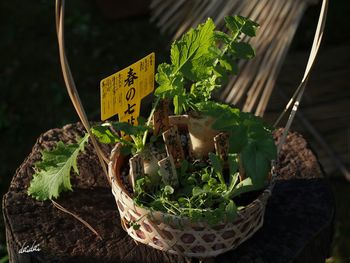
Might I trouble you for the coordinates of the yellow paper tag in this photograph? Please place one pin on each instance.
(122, 92)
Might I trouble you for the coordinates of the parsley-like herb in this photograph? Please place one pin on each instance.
(52, 174)
(201, 60)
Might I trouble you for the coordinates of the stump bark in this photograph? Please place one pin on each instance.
(298, 223)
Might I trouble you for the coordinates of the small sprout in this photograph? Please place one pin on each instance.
(168, 190)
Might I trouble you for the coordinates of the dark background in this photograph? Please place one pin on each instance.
(33, 98)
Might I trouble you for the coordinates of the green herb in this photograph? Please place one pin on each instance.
(203, 195)
(200, 63)
(248, 136)
(53, 172)
(201, 60)
(136, 132)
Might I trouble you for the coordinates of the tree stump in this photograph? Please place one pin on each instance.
(298, 223)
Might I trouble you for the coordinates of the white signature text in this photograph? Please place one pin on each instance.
(29, 248)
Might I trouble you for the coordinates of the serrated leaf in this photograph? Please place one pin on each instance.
(191, 55)
(202, 90)
(169, 83)
(237, 24)
(242, 50)
(250, 27)
(53, 175)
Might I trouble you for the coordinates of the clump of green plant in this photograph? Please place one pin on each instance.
(204, 194)
(208, 186)
(202, 60)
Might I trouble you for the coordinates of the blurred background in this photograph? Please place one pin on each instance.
(105, 36)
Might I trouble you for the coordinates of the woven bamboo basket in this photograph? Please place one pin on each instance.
(178, 235)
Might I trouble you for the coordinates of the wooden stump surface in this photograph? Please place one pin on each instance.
(298, 224)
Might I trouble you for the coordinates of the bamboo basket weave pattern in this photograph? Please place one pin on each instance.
(171, 233)
(179, 235)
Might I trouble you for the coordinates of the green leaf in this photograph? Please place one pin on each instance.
(237, 24)
(267, 147)
(53, 175)
(205, 177)
(221, 36)
(229, 64)
(233, 181)
(231, 211)
(232, 163)
(202, 90)
(184, 166)
(104, 135)
(197, 191)
(225, 115)
(191, 55)
(256, 164)
(215, 162)
(168, 190)
(233, 24)
(177, 105)
(171, 87)
(215, 51)
(237, 138)
(242, 50)
(169, 83)
(250, 27)
(221, 73)
(163, 78)
(217, 166)
(141, 121)
(129, 129)
(212, 182)
(243, 187)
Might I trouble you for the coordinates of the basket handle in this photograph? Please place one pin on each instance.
(70, 84)
(296, 98)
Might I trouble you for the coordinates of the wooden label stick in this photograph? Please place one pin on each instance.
(136, 169)
(173, 145)
(168, 172)
(157, 152)
(161, 117)
(221, 145)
